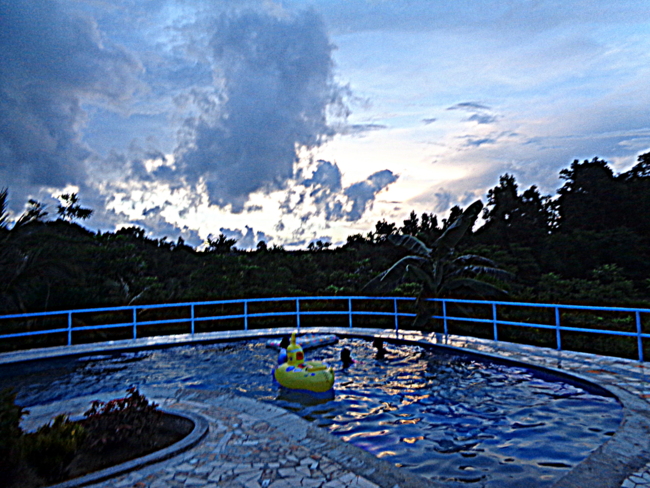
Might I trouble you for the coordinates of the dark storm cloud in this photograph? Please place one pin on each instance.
(480, 113)
(363, 194)
(325, 181)
(482, 118)
(246, 240)
(356, 129)
(469, 106)
(275, 77)
(325, 190)
(52, 62)
(325, 186)
(479, 142)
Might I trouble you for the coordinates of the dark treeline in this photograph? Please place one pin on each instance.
(589, 243)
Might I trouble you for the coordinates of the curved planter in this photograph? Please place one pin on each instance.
(200, 430)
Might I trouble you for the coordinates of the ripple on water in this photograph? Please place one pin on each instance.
(453, 419)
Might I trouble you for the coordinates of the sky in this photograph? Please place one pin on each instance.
(294, 121)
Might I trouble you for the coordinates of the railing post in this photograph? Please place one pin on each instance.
(245, 315)
(192, 317)
(70, 329)
(558, 339)
(135, 323)
(350, 311)
(494, 321)
(639, 339)
(396, 318)
(298, 313)
(444, 316)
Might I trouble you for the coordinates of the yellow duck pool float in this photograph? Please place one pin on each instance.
(298, 374)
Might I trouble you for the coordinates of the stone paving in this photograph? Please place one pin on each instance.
(252, 444)
(249, 445)
(243, 450)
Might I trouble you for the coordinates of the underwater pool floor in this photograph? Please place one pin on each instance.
(333, 463)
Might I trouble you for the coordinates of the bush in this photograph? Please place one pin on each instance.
(53, 446)
(111, 422)
(10, 431)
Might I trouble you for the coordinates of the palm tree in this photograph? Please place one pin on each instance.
(438, 269)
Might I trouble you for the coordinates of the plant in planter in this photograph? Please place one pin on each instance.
(110, 433)
(110, 423)
(53, 446)
(10, 431)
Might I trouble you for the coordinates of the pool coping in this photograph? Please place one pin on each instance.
(607, 466)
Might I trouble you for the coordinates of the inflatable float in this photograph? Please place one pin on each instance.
(298, 374)
(307, 341)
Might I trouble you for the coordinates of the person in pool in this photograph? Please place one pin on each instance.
(284, 343)
(346, 358)
(379, 345)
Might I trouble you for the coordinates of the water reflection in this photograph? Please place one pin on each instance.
(452, 419)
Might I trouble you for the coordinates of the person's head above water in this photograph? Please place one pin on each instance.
(285, 342)
(346, 358)
(379, 345)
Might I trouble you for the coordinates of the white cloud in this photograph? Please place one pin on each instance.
(241, 93)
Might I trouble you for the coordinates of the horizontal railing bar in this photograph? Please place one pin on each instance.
(33, 333)
(606, 332)
(196, 304)
(543, 326)
(542, 305)
(354, 312)
(98, 327)
(464, 319)
(221, 317)
(304, 299)
(203, 319)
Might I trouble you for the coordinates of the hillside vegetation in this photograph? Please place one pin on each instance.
(588, 244)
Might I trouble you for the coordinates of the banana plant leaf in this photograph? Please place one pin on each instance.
(422, 276)
(474, 259)
(459, 227)
(393, 275)
(411, 244)
(498, 273)
(472, 271)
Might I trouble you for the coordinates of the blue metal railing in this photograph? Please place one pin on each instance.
(193, 319)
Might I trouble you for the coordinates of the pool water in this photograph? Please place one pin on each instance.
(453, 419)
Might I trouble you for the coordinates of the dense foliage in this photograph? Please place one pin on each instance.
(112, 422)
(49, 454)
(589, 243)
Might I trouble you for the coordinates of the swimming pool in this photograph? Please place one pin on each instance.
(451, 418)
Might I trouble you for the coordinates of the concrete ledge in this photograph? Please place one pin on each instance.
(192, 439)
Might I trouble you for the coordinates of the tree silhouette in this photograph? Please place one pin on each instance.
(516, 219)
(69, 208)
(590, 197)
(220, 245)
